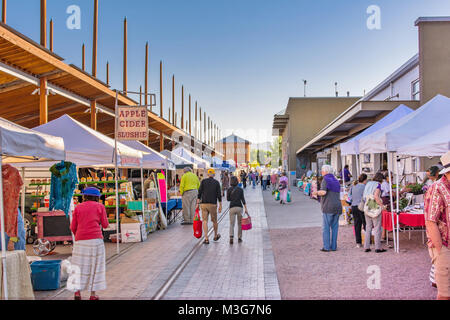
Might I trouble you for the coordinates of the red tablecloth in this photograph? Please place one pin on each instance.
(407, 219)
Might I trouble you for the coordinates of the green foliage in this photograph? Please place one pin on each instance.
(415, 188)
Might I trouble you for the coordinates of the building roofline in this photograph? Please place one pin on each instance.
(431, 19)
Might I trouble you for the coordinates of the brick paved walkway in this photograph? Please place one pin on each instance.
(217, 271)
(240, 271)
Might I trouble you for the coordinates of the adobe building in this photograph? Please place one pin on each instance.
(234, 148)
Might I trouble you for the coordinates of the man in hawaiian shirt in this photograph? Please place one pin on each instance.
(437, 220)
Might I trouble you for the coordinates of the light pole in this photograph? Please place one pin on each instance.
(304, 87)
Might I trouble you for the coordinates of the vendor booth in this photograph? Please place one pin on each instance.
(19, 144)
(187, 155)
(85, 148)
(413, 127)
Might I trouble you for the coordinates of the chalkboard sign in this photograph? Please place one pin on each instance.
(58, 226)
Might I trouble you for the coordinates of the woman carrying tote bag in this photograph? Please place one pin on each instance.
(373, 205)
(237, 202)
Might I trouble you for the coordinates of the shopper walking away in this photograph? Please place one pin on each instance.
(244, 179)
(264, 177)
(88, 256)
(237, 203)
(209, 194)
(189, 191)
(253, 178)
(273, 180)
(437, 221)
(373, 189)
(225, 182)
(329, 193)
(283, 188)
(356, 194)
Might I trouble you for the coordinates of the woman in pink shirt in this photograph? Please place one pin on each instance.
(88, 256)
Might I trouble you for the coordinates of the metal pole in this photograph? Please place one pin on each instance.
(2, 221)
(343, 179)
(116, 173)
(142, 188)
(397, 200)
(392, 202)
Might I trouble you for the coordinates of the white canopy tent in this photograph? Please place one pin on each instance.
(179, 161)
(433, 115)
(151, 158)
(17, 142)
(86, 147)
(434, 144)
(186, 154)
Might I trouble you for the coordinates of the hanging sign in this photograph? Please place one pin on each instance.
(132, 123)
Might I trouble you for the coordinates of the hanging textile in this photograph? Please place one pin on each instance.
(12, 183)
(64, 181)
(21, 234)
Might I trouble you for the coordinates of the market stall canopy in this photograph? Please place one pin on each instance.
(434, 144)
(186, 154)
(19, 144)
(180, 163)
(431, 116)
(352, 146)
(86, 147)
(151, 159)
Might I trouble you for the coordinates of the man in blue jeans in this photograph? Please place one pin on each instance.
(331, 208)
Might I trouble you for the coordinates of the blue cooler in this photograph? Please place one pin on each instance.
(45, 275)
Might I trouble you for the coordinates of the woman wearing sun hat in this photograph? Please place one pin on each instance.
(88, 271)
(437, 221)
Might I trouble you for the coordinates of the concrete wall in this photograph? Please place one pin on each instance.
(307, 116)
(434, 59)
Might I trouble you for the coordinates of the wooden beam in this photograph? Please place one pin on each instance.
(94, 115)
(161, 114)
(107, 73)
(83, 57)
(51, 35)
(95, 40)
(125, 79)
(182, 107)
(44, 23)
(363, 120)
(43, 102)
(173, 99)
(146, 76)
(4, 11)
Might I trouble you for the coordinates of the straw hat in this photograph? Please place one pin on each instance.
(445, 159)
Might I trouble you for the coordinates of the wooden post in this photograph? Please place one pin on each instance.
(175, 121)
(83, 57)
(4, 11)
(204, 127)
(43, 102)
(146, 75)
(107, 73)
(173, 99)
(125, 79)
(95, 40)
(161, 114)
(161, 141)
(169, 116)
(208, 142)
(140, 95)
(51, 35)
(200, 126)
(44, 23)
(196, 124)
(94, 114)
(182, 107)
(190, 132)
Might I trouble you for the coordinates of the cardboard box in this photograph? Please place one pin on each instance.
(131, 232)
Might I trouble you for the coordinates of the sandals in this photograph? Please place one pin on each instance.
(94, 298)
(206, 242)
(77, 295)
(216, 238)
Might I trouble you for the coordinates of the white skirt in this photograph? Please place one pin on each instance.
(88, 266)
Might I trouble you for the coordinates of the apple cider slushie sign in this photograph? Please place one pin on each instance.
(132, 123)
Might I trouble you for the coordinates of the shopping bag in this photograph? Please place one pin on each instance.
(288, 198)
(197, 225)
(246, 222)
(277, 196)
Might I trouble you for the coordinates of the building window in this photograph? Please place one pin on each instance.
(415, 90)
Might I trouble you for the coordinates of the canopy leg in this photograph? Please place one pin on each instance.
(4, 245)
(391, 201)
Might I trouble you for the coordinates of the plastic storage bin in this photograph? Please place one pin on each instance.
(45, 275)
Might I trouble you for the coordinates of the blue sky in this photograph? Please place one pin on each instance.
(240, 59)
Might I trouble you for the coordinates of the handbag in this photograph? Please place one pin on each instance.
(277, 196)
(361, 205)
(371, 208)
(197, 225)
(289, 198)
(247, 222)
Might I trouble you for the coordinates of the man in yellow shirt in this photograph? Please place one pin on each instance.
(189, 190)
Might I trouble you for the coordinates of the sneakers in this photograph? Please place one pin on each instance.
(367, 250)
(380, 250)
(358, 245)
